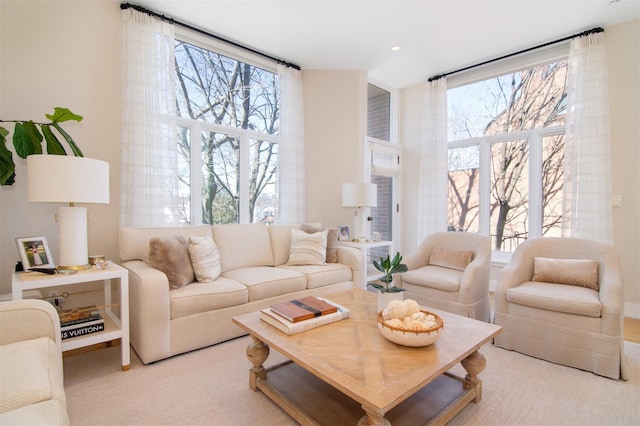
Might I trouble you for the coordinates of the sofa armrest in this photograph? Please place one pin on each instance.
(149, 311)
(29, 319)
(354, 259)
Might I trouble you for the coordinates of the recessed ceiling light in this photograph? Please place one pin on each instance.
(395, 48)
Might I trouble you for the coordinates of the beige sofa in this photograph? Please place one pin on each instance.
(254, 274)
(31, 376)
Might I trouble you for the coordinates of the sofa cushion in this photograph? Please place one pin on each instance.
(35, 373)
(50, 412)
(133, 243)
(437, 277)
(243, 245)
(452, 259)
(579, 272)
(264, 282)
(307, 249)
(205, 258)
(170, 254)
(204, 297)
(322, 275)
(280, 236)
(557, 297)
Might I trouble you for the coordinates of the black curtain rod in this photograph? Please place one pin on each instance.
(582, 34)
(170, 20)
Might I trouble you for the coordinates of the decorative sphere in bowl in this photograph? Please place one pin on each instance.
(414, 337)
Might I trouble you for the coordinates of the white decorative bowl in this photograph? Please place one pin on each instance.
(411, 338)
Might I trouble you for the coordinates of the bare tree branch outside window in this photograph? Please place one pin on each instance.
(235, 103)
(509, 104)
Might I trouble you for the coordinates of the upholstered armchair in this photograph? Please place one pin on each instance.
(560, 299)
(450, 271)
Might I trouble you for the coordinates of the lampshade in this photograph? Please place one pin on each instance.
(359, 195)
(67, 179)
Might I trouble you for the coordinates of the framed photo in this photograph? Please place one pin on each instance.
(343, 233)
(34, 253)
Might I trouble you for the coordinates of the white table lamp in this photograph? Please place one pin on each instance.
(69, 179)
(359, 195)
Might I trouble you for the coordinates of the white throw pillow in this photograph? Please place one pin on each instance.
(307, 249)
(205, 258)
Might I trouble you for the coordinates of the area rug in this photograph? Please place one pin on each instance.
(210, 387)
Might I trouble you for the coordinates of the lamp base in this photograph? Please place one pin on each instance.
(74, 268)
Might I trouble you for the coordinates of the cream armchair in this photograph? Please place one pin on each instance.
(560, 299)
(450, 271)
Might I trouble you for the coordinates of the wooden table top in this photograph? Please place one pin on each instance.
(352, 356)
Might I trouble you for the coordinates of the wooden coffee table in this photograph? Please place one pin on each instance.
(347, 373)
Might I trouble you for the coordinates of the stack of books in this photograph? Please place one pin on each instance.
(80, 321)
(303, 314)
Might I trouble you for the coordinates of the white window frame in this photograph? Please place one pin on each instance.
(196, 127)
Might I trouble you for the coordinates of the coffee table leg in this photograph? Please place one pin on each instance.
(257, 352)
(372, 419)
(474, 364)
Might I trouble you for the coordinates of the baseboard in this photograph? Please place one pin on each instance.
(632, 310)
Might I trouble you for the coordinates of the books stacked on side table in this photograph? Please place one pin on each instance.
(80, 321)
(303, 314)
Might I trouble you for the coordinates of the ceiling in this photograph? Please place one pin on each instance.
(435, 36)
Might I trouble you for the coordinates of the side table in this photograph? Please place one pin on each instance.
(370, 273)
(115, 327)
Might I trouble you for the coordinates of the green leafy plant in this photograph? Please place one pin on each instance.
(389, 267)
(28, 137)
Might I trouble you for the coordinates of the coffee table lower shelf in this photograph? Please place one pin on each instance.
(311, 401)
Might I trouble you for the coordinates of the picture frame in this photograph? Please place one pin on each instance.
(34, 253)
(343, 233)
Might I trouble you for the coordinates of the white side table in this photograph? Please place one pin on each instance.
(114, 327)
(370, 273)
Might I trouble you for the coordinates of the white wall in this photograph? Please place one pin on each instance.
(335, 105)
(60, 54)
(623, 51)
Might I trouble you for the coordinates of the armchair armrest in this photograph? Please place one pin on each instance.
(29, 319)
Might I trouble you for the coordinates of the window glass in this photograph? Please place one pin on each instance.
(229, 103)
(378, 113)
(517, 120)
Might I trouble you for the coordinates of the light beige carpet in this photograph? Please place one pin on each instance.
(210, 387)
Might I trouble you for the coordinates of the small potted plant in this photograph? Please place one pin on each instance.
(386, 290)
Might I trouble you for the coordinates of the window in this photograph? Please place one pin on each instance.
(227, 137)
(506, 149)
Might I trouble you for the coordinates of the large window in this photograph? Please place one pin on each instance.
(228, 122)
(506, 148)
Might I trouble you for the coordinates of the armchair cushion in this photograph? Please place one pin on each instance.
(452, 259)
(577, 272)
(437, 277)
(557, 297)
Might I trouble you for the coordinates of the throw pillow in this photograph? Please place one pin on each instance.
(452, 259)
(170, 255)
(578, 272)
(332, 241)
(307, 249)
(205, 258)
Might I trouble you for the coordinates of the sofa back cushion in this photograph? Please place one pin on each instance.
(280, 242)
(243, 245)
(133, 243)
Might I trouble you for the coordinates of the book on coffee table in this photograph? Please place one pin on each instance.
(303, 309)
(288, 327)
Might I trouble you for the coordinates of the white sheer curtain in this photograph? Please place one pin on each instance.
(432, 208)
(149, 162)
(587, 165)
(291, 195)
